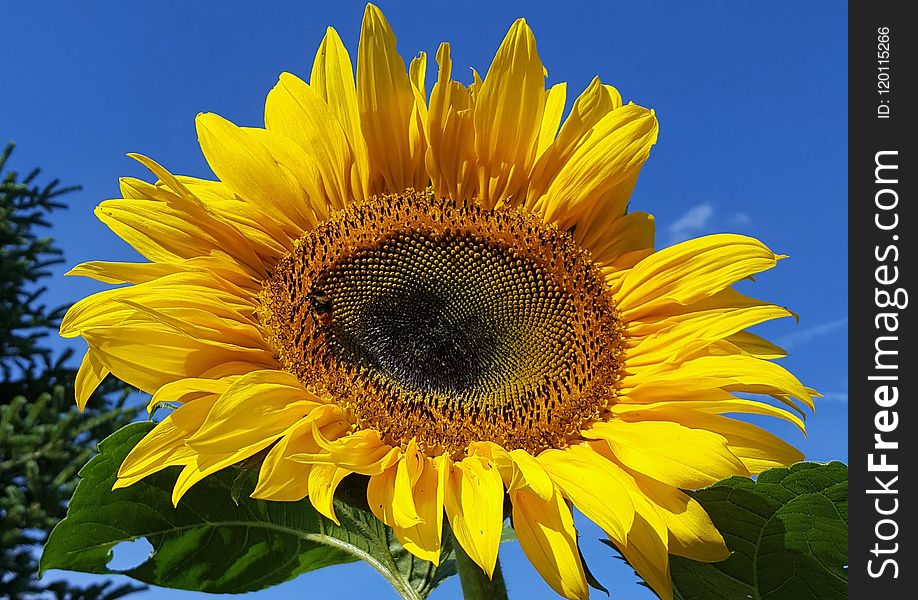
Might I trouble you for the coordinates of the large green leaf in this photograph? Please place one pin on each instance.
(218, 539)
(788, 531)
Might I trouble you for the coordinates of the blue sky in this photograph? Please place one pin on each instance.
(751, 98)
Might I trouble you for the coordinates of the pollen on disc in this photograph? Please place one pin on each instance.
(447, 324)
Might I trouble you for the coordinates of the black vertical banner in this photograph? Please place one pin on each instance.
(883, 439)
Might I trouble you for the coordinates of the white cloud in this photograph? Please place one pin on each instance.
(806, 335)
(740, 219)
(834, 396)
(695, 221)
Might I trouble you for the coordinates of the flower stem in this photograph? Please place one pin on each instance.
(475, 582)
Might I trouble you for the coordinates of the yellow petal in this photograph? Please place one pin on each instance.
(390, 496)
(475, 86)
(294, 110)
(188, 477)
(417, 73)
(593, 104)
(597, 487)
(149, 356)
(646, 551)
(665, 316)
(164, 445)
(647, 544)
(166, 179)
(756, 448)
(155, 230)
(256, 407)
(323, 481)
(518, 469)
(202, 466)
(361, 452)
(529, 475)
(708, 326)
(709, 374)
(691, 271)
(602, 165)
(508, 115)
(122, 272)
(423, 538)
(614, 96)
(282, 479)
(669, 452)
(649, 538)
(267, 238)
(333, 80)
(545, 529)
(88, 377)
(131, 187)
(754, 345)
(623, 242)
(639, 412)
(551, 117)
(450, 157)
(283, 187)
(497, 456)
(644, 542)
(170, 223)
(417, 125)
(209, 327)
(691, 532)
(171, 328)
(386, 103)
(474, 503)
(192, 388)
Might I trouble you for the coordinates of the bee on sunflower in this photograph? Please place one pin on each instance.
(448, 295)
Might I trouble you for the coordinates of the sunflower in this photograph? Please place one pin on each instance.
(446, 295)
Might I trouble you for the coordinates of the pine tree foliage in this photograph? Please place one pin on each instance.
(44, 439)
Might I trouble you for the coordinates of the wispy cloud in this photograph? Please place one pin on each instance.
(703, 219)
(807, 335)
(695, 221)
(834, 396)
(740, 219)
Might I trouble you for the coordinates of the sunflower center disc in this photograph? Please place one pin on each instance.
(448, 316)
(447, 325)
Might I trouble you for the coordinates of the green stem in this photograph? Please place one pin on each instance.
(475, 582)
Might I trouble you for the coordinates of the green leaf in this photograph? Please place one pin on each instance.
(788, 531)
(219, 540)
